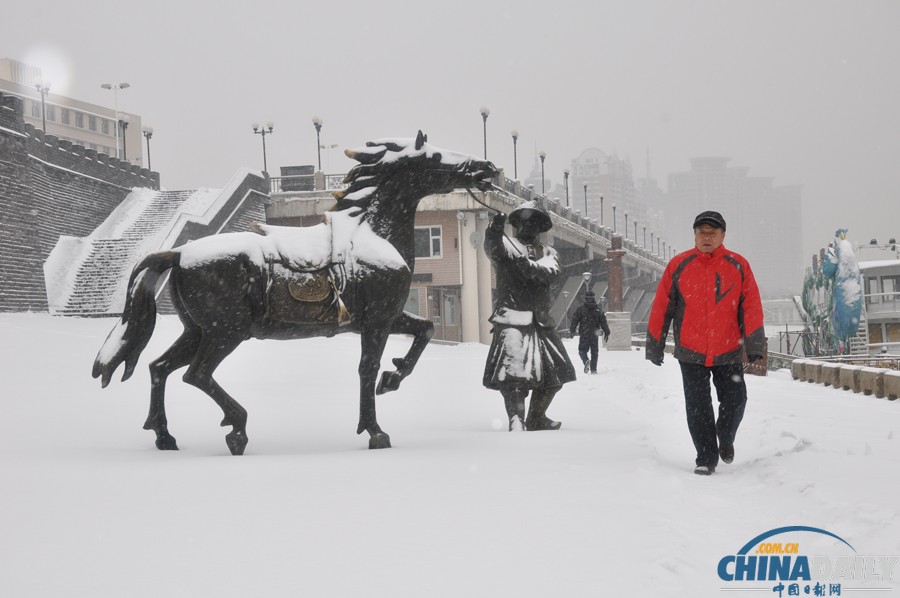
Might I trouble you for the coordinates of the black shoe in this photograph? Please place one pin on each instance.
(705, 469)
(543, 423)
(587, 368)
(593, 371)
(727, 453)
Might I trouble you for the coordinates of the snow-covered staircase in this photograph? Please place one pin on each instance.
(109, 260)
(859, 343)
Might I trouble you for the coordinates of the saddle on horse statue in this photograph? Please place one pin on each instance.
(305, 275)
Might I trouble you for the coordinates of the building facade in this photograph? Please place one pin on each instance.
(80, 123)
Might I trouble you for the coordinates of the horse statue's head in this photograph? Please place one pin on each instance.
(406, 170)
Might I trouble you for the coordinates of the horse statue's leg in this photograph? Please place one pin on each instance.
(213, 348)
(178, 355)
(422, 331)
(373, 342)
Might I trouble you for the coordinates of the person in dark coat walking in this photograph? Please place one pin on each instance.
(526, 354)
(589, 320)
(710, 296)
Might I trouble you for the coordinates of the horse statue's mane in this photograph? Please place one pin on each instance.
(374, 160)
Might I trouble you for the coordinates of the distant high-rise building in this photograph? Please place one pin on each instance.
(764, 221)
(608, 176)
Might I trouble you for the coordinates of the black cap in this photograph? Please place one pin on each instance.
(711, 218)
(589, 295)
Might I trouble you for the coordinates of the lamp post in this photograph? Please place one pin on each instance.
(515, 136)
(328, 156)
(658, 252)
(565, 310)
(635, 231)
(542, 155)
(664, 250)
(644, 244)
(601, 209)
(484, 114)
(651, 243)
(614, 217)
(626, 225)
(267, 130)
(148, 133)
(587, 281)
(43, 88)
(123, 123)
(566, 179)
(115, 87)
(317, 123)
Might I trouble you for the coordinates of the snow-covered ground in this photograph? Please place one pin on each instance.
(608, 506)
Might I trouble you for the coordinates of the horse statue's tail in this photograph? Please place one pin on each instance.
(132, 333)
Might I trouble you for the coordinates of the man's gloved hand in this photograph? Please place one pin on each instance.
(498, 222)
(605, 337)
(753, 358)
(657, 361)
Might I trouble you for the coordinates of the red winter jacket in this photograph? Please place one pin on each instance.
(714, 303)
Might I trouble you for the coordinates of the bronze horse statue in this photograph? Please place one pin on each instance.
(350, 273)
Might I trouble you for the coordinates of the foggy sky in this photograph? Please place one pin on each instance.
(804, 91)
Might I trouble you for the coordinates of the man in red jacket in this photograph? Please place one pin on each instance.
(711, 297)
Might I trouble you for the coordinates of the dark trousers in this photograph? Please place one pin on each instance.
(585, 343)
(704, 427)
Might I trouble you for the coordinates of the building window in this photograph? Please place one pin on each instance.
(892, 330)
(412, 302)
(79, 120)
(92, 122)
(875, 335)
(51, 113)
(64, 116)
(428, 241)
(36, 109)
(104, 127)
(451, 309)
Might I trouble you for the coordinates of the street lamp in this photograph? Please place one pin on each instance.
(43, 88)
(267, 130)
(566, 179)
(542, 155)
(329, 148)
(123, 123)
(635, 231)
(614, 217)
(626, 225)
(587, 281)
(515, 136)
(115, 87)
(148, 133)
(565, 295)
(317, 123)
(644, 244)
(585, 201)
(601, 209)
(484, 114)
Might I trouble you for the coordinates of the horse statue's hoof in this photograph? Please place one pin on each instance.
(389, 381)
(236, 442)
(166, 444)
(379, 441)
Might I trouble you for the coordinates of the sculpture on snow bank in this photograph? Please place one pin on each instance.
(350, 273)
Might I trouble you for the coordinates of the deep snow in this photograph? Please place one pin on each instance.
(607, 506)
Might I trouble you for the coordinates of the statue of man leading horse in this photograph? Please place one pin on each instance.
(350, 273)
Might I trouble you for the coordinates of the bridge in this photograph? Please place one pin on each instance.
(622, 274)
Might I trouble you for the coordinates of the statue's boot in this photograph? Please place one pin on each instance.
(537, 411)
(514, 401)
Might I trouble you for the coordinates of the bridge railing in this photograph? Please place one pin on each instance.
(307, 182)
